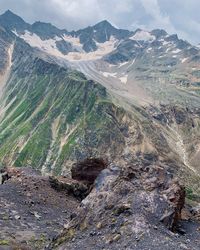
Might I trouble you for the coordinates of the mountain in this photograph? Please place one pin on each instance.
(99, 33)
(126, 101)
(147, 88)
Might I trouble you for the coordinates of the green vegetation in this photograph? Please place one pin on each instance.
(4, 242)
(29, 133)
(191, 195)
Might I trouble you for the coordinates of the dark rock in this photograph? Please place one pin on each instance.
(176, 198)
(71, 187)
(180, 116)
(122, 208)
(64, 47)
(4, 176)
(159, 33)
(88, 170)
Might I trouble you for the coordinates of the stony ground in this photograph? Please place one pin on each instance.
(31, 212)
(112, 238)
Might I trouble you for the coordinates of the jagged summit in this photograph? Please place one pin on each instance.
(9, 13)
(11, 21)
(46, 30)
(103, 24)
(159, 33)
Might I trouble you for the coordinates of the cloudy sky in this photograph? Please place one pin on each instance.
(175, 16)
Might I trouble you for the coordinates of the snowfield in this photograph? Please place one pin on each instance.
(49, 46)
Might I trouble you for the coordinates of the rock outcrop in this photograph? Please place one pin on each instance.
(175, 195)
(136, 208)
(84, 174)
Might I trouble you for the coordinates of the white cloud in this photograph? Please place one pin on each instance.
(159, 19)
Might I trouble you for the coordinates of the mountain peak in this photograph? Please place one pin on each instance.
(43, 25)
(159, 33)
(9, 14)
(104, 24)
(12, 21)
(46, 30)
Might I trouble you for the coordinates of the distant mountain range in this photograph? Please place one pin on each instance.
(98, 91)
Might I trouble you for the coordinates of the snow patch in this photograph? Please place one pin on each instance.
(49, 46)
(184, 60)
(108, 74)
(176, 51)
(75, 41)
(166, 43)
(131, 63)
(149, 49)
(122, 64)
(168, 49)
(103, 49)
(124, 79)
(15, 32)
(143, 36)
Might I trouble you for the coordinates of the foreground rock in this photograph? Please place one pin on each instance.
(31, 212)
(136, 208)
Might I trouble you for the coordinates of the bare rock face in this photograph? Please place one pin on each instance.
(175, 196)
(136, 208)
(88, 170)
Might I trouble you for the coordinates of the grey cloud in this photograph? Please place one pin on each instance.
(175, 16)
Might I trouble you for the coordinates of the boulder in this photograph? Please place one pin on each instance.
(127, 207)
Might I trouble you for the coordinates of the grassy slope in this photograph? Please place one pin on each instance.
(40, 93)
